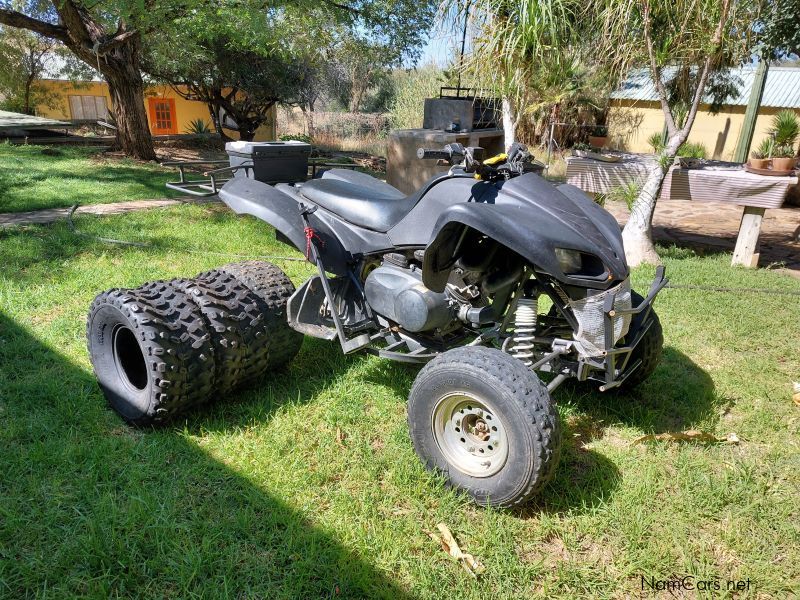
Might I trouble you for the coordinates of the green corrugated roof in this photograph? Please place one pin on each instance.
(782, 89)
(11, 120)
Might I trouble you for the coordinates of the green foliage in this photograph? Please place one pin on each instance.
(692, 150)
(784, 151)
(627, 193)
(687, 149)
(296, 137)
(785, 128)
(779, 33)
(520, 46)
(656, 142)
(765, 149)
(199, 127)
(24, 56)
(412, 86)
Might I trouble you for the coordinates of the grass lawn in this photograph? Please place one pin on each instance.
(36, 177)
(307, 486)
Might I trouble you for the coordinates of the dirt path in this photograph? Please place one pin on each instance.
(50, 215)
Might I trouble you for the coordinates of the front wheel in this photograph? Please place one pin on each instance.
(485, 421)
(649, 348)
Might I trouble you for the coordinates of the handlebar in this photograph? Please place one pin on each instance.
(425, 153)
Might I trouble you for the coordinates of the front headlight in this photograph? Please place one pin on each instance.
(572, 262)
(569, 261)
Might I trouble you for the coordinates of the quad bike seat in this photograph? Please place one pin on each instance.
(359, 198)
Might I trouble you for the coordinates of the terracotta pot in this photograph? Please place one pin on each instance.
(783, 164)
(760, 163)
(597, 141)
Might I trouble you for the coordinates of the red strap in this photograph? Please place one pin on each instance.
(310, 235)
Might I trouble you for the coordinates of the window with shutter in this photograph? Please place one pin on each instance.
(88, 108)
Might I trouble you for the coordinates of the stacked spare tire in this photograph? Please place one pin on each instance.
(168, 346)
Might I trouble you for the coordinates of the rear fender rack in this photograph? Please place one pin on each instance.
(198, 187)
(214, 179)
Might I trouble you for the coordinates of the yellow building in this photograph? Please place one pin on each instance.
(167, 112)
(636, 114)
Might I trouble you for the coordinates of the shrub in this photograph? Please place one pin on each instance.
(656, 142)
(626, 193)
(692, 150)
(687, 149)
(765, 149)
(785, 128)
(198, 127)
(296, 137)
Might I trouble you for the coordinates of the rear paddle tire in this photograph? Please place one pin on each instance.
(272, 289)
(151, 352)
(486, 422)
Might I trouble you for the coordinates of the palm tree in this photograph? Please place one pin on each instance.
(514, 43)
(700, 35)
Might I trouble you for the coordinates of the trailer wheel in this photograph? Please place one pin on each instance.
(273, 289)
(649, 348)
(151, 352)
(485, 421)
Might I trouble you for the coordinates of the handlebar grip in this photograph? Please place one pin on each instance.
(424, 153)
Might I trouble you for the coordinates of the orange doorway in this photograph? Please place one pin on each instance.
(162, 116)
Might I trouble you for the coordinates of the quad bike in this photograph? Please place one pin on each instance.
(488, 273)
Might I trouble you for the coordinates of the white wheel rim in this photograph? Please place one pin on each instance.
(470, 434)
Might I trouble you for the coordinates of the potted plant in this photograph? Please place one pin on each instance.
(760, 158)
(785, 128)
(598, 137)
(783, 158)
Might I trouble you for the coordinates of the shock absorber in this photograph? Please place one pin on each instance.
(525, 328)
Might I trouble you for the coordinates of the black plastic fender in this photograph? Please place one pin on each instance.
(247, 196)
(532, 218)
(338, 242)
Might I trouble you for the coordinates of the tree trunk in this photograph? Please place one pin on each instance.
(308, 113)
(213, 111)
(637, 234)
(509, 123)
(27, 109)
(127, 99)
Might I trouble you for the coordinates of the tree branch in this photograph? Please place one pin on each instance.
(656, 74)
(115, 42)
(701, 82)
(16, 19)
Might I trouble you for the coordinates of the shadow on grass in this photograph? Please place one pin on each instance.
(678, 396)
(93, 508)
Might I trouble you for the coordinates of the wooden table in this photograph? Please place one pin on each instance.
(714, 182)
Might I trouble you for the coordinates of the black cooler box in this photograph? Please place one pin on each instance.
(272, 162)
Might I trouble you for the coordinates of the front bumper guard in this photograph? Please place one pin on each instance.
(614, 360)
